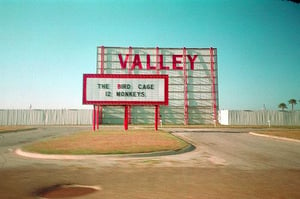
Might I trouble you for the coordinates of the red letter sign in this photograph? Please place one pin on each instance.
(176, 61)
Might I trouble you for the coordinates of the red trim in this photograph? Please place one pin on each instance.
(157, 109)
(212, 69)
(130, 71)
(99, 112)
(186, 113)
(130, 60)
(126, 76)
(157, 62)
(102, 60)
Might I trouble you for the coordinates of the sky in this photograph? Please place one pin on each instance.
(46, 46)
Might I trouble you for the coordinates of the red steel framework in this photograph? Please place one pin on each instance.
(213, 77)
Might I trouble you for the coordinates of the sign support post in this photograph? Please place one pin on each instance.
(94, 117)
(97, 117)
(126, 118)
(156, 116)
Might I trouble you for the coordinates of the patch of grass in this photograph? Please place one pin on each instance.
(287, 133)
(9, 129)
(109, 142)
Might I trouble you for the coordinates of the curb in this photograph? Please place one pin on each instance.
(20, 152)
(275, 137)
(186, 149)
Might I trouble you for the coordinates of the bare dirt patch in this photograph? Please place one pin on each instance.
(66, 191)
(109, 142)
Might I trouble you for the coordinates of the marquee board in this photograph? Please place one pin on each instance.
(118, 89)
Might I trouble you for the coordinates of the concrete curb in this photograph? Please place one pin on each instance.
(275, 137)
(20, 152)
(186, 149)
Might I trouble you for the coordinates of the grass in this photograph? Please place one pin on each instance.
(281, 132)
(109, 142)
(9, 129)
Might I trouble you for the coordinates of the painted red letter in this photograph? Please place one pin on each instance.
(149, 67)
(136, 61)
(161, 63)
(192, 60)
(176, 61)
(123, 63)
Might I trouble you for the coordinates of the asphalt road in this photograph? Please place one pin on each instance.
(225, 164)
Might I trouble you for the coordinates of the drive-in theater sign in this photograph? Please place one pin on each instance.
(192, 88)
(118, 89)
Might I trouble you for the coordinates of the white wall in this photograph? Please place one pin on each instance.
(45, 117)
(264, 117)
(223, 117)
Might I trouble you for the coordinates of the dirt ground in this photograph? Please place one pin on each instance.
(128, 183)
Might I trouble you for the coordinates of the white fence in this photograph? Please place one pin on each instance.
(263, 117)
(46, 117)
(84, 117)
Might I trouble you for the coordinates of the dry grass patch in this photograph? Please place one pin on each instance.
(287, 133)
(8, 129)
(109, 142)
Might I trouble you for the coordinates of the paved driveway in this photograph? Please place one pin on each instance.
(224, 165)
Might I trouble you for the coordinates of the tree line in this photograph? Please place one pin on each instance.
(283, 105)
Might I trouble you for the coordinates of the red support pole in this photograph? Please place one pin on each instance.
(213, 77)
(156, 117)
(186, 112)
(102, 60)
(126, 118)
(94, 118)
(157, 57)
(130, 60)
(99, 111)
(129, 72)
(157, 72)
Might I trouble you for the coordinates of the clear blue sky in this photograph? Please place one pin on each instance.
(46, 46)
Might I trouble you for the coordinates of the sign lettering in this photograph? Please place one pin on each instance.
(177, 62)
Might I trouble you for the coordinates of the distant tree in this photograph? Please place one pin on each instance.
(282, 106)
(295, 1)
(292, 102)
